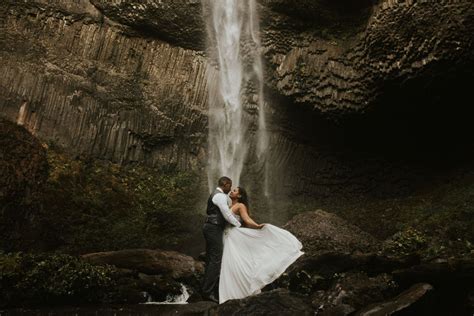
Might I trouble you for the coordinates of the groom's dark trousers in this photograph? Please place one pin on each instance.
(213, 234)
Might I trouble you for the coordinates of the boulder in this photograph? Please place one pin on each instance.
(445, 272)
(276, 302)
(321, 232)
(326, 264)
(352, 291)
(416, 298)
(160, 262)
(319, 272)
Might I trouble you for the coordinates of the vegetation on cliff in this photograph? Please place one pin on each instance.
(92, 205)
(23, 173)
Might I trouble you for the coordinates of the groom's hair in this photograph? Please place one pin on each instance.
(223, 181)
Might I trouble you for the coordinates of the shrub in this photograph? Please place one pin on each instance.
(98, 205)
(405, 242)
(34, 279)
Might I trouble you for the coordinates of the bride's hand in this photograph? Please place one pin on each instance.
(260, 226)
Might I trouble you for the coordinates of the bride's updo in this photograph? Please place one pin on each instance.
(243, 198)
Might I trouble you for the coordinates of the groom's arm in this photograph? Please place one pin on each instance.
(221, 201)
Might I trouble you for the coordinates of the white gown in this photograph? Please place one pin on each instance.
(253, 258)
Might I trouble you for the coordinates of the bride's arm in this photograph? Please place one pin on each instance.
(249, 222)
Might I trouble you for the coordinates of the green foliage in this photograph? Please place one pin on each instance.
(27, 279)
(406, 242)
(97, 205)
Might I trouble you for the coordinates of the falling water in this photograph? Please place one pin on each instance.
(236, 104)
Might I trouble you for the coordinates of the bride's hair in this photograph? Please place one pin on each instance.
(244, 199)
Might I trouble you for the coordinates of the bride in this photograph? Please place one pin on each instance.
(254, 254)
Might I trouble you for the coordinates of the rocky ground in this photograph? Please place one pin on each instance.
(352, 275)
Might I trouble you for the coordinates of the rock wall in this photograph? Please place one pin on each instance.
(73, 77)
(338, 58)
(366, 99)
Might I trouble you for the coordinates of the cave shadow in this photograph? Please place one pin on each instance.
(417, 133)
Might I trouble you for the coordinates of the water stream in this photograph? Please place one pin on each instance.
(172, 299)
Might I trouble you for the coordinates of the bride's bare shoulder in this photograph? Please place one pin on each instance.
(243, 207)
(238, 206)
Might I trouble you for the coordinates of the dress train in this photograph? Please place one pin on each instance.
(253, 258)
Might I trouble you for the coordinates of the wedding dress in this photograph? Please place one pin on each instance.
(253, 258)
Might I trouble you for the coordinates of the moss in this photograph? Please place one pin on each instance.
(406, 242)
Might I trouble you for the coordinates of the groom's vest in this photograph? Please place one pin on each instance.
(214, 215)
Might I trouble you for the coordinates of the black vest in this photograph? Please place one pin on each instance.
(214, 215)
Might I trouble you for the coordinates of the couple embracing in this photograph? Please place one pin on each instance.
(241, 255)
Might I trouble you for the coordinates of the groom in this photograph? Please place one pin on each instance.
(218, 214)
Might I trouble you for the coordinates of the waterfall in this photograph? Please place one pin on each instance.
(237, 127)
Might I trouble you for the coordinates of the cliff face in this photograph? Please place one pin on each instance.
(99, 88)
(367, 98)
(356, 93)
(339, 58)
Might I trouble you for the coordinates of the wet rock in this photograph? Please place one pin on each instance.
(333, 246)
(132, 287)
(322, 232)
(276, 302)
(320, 272)
(352, 291)
(457, 273)
(158, 287)
(144, 274)
(410, 302)
(169, 263)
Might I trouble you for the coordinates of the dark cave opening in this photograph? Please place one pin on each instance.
(421, 126)
(427, 118)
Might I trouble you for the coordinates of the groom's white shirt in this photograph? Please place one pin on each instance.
(222, 201)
